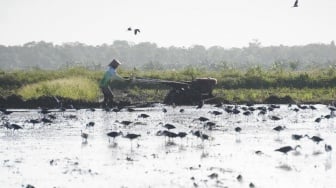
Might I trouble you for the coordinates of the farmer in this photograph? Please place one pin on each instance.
(104, 84)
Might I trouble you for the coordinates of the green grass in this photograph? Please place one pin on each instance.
(254, 84)
(73, 87)
(305, 95)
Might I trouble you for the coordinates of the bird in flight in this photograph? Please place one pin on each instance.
(136, 31)
(296, 3)
(129, 29)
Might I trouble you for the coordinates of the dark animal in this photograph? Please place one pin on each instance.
(130, 109)
(210, 124)
(143, 116)
(202, 119)
(169, 134)
(126, 122)
(113, 134)
(136, 31)
(239, 178)
(318, 120)
(182, 134)
(312, 107)
(247, 113)
(287, 149)
(169, 126)
(51, 116)
(216, 113)
(200, 135)
(238, 129)
(275, 118)
(90, 124)
(235, 111)
(29, 186)
(131, 136)
(296, 110)
(327, 148)
(213, 176)
(251, 185)
(15, 126)
(116, 110)
(45, 120)
(279, 128)
(84, 136)
(34, 121)
(315, 139)
(296, 3)
(296, 137)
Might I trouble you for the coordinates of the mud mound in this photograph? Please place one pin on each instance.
(16, 101)
(279, 100)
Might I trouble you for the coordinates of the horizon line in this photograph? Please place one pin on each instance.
(132, 43)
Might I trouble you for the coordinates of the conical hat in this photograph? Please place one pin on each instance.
(114, 63)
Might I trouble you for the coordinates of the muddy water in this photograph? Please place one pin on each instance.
(55, 155)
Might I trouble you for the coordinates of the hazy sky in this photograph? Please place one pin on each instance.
(227, 23)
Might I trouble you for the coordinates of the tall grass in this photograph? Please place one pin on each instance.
(73, 87)
(254, 84)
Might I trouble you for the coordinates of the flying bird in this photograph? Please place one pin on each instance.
(129, 29)
(136, 31)
(296, 3)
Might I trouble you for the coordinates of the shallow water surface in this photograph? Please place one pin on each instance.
(55, 155)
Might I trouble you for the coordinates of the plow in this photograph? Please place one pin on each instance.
(184, 92)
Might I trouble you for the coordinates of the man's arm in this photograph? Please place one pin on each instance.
(118, 77)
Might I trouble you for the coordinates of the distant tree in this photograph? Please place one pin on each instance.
(153, 66)
(46, 55)
(294, 65)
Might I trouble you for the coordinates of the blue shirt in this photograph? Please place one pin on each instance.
(109, 75)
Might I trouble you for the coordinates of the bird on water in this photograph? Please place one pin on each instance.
(203, 119)
(84, 136)
(296, 136)
(287, 149)
(131, 137)
(143, 116)
(113, 135)
(279, 128)
(90, 124)
(169, 126)
(315, 139)
(327, 148)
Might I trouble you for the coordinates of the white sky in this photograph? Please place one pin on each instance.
(227, 23)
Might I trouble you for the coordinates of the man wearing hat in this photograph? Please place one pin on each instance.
(109, 75)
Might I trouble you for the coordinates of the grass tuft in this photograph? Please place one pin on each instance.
(72, 87)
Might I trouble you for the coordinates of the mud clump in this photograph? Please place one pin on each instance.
(279, 100)
(16, 101)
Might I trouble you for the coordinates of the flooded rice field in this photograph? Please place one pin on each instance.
(228, 146)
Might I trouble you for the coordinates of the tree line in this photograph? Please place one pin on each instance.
(148, 56)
